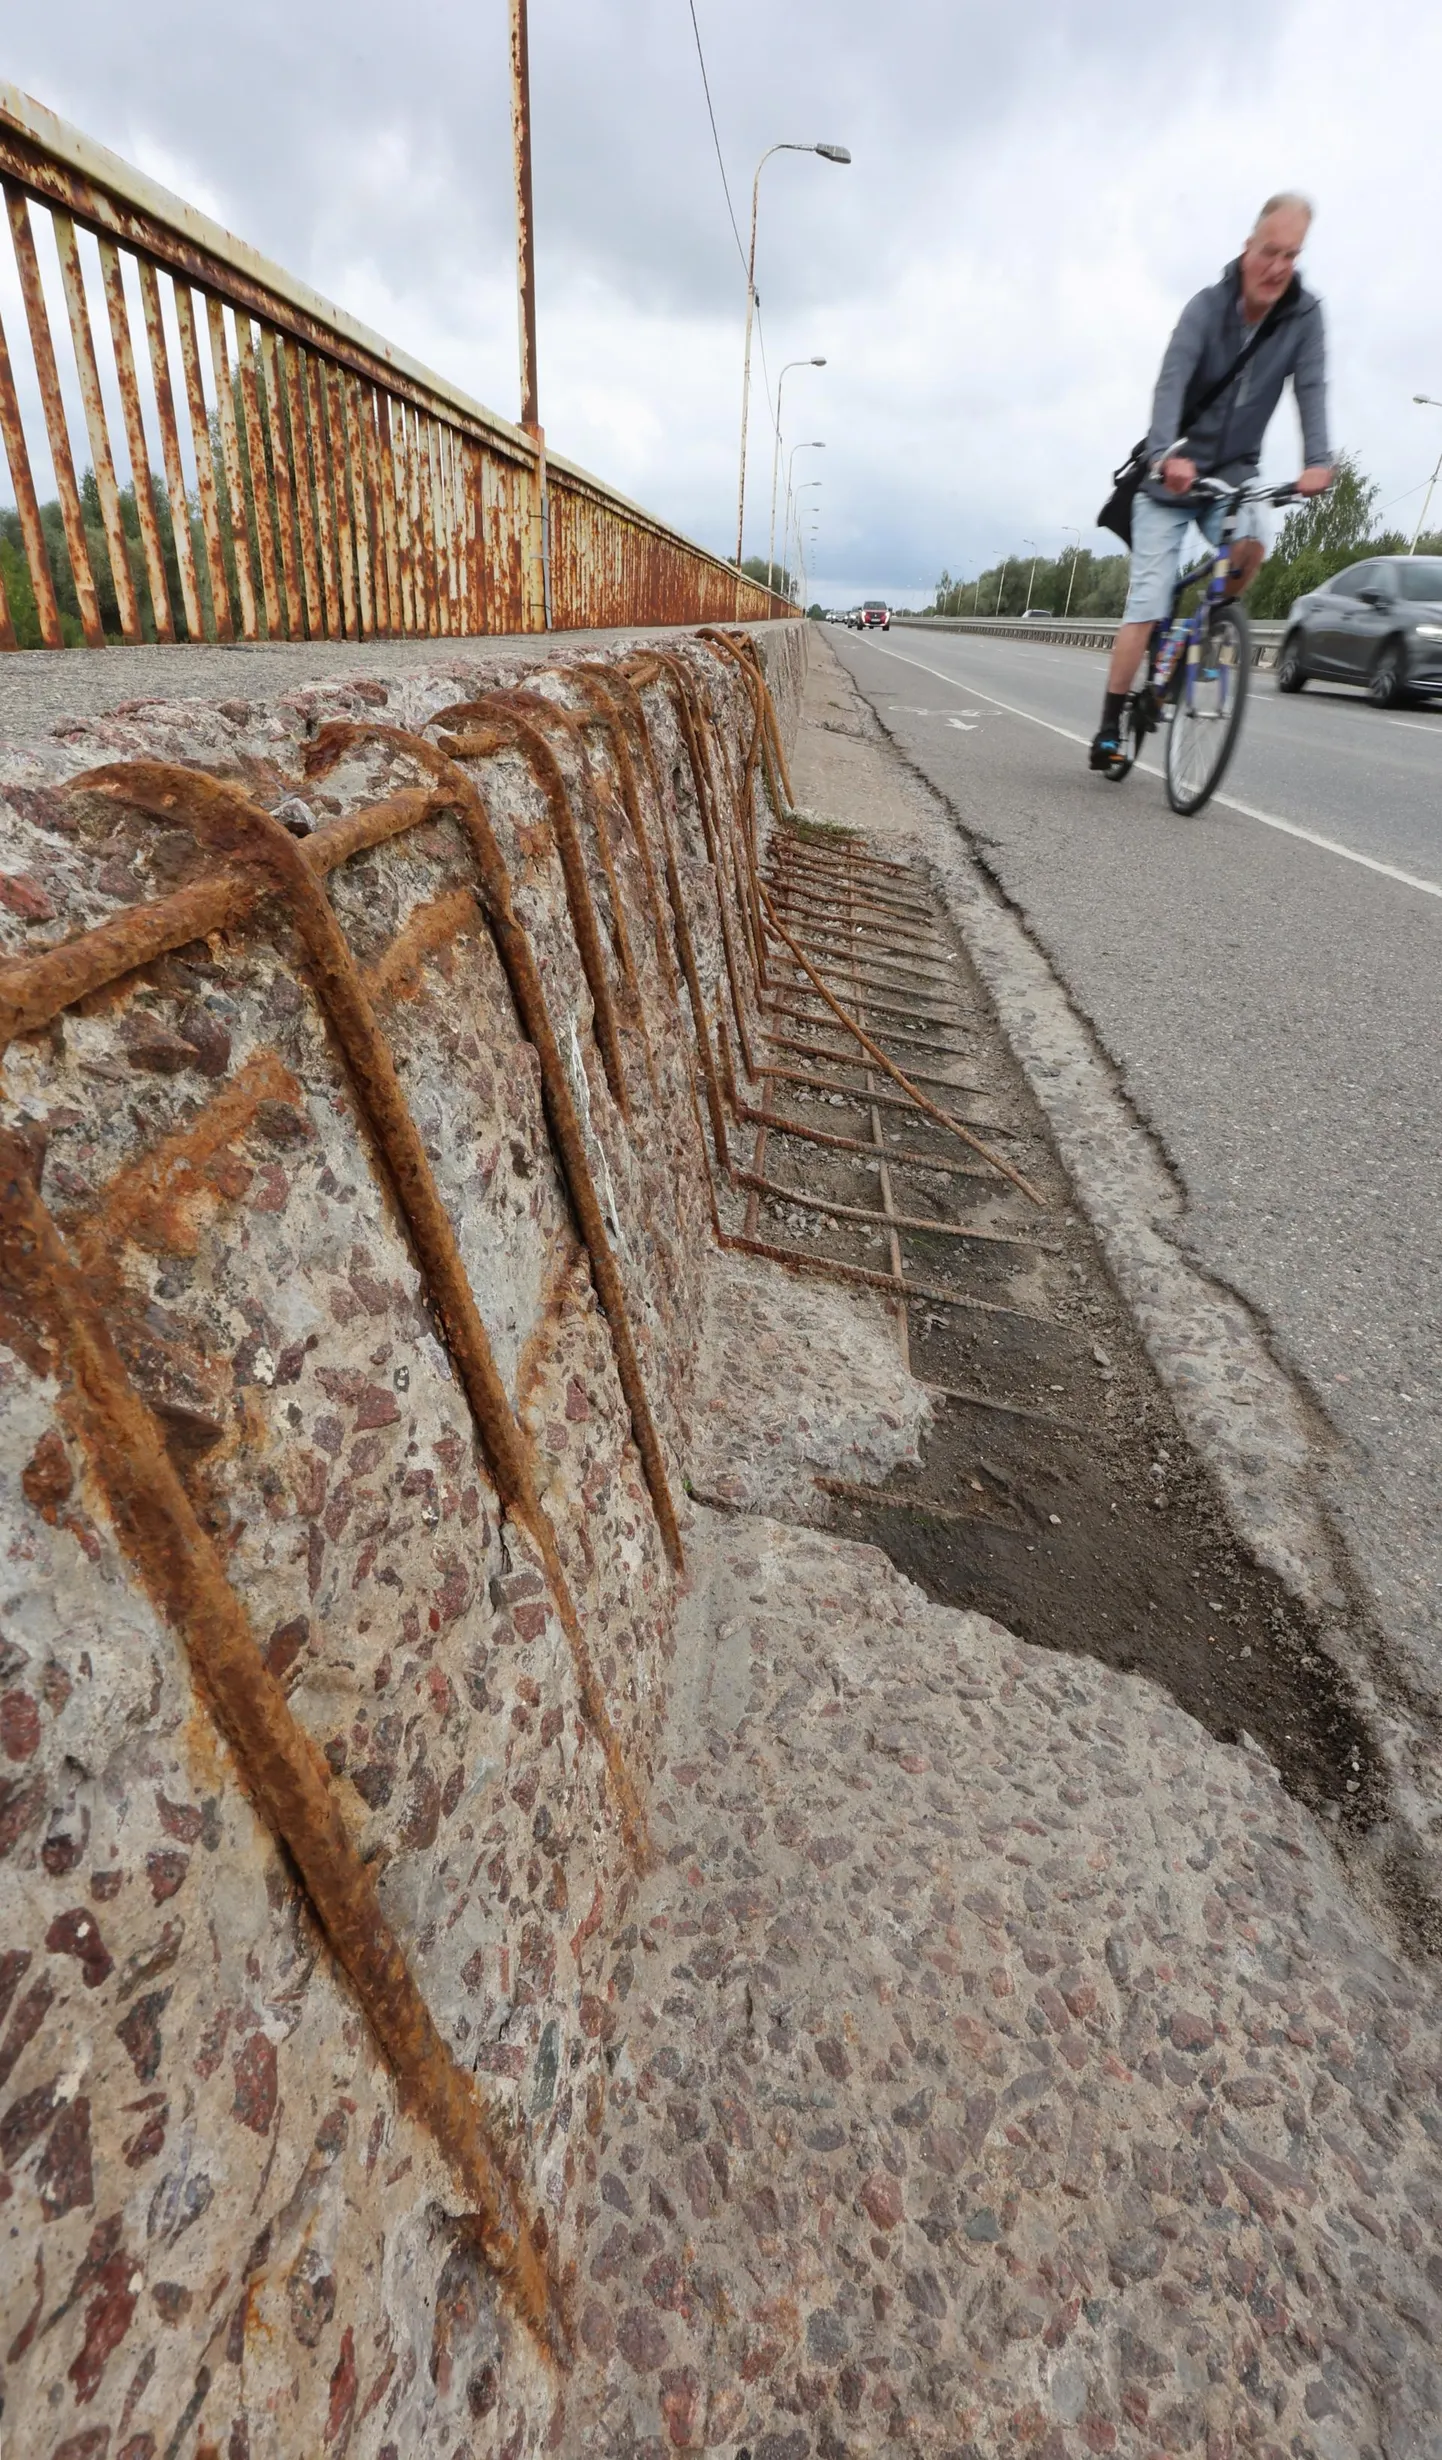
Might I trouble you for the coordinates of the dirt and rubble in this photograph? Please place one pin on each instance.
(956, 2048)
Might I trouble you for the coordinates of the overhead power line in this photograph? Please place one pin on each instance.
(715, 137)
(726, 192)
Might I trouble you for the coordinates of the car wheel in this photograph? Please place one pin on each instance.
(1387, 683)
(1291, 673)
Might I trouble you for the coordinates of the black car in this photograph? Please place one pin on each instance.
(1377, 624)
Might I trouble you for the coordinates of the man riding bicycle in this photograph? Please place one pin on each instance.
(1260, 309)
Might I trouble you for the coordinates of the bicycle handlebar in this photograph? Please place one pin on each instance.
(1247, 493)
(1218, 489)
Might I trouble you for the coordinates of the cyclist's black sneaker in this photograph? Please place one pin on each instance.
(1106, 749)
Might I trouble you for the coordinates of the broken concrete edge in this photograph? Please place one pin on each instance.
(1250, 1416)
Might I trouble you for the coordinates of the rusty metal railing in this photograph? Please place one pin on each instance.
(258, 465)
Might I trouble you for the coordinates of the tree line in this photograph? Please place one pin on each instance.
(15, 571)
(1317, 538)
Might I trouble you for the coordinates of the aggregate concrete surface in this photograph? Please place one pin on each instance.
(761, 1435)
(998, 2067)
(44, 688)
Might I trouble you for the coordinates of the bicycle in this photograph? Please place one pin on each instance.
(1198, 668)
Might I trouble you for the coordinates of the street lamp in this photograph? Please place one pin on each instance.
(813, 534)
(828, 153)
(805, 486)
(1001, 584)
(1428, 404)
(817, 444)
(1071, 581)
(776, 454)
(1031, 576)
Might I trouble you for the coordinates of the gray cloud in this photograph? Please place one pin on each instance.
(1034, 194)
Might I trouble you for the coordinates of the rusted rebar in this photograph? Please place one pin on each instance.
(930, 1110)
(512, 714)
(222, 819)
(535, 709)
(607, 696)
(518, 960)
(660, 665)
(54, 1321)
(35, 989)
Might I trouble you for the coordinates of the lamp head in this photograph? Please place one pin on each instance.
(833, 153)
(818, 362)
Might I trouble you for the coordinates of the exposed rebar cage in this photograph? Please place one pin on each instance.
(759, 887)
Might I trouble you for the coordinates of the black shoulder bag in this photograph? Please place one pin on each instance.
(1116, 513)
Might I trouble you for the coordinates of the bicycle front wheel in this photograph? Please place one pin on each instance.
(1210, 694)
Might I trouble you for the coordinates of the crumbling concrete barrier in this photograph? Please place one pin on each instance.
(354, 1200)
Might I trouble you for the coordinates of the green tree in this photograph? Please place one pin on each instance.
(1319, 537)
(770, 576)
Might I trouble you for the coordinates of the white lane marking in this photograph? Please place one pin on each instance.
(962, 726)
(1248, 811)
(1335, 700)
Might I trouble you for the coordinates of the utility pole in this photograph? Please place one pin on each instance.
(776, 461)
(828, 153)
(1071, 581)
(526, 284)
(1428, 404)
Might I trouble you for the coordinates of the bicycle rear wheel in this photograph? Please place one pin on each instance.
(1208, 698)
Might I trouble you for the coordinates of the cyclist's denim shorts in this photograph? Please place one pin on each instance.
(1158, 531)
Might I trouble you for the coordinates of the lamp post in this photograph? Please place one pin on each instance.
(1428, 404)
(1001, 584)
(776, 455)
(805, 486)
(802, 561)
(1071, 579)
(816, 444)
(828, 153)
(526, 285)
(1031, 576)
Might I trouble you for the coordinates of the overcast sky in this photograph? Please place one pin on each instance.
(1034, 194)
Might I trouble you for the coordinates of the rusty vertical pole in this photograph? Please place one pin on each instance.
(525, 233)
(538, 584)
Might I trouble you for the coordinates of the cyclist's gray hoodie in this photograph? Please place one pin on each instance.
(1226, 440)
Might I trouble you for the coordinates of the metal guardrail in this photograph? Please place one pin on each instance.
(1076, 632)
(276, 469)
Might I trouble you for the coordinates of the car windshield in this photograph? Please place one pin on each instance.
(876, 606)
(1420, 577)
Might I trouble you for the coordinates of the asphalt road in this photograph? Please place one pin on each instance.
(1268, 979)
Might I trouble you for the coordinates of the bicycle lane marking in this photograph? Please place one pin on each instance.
(1247, 811)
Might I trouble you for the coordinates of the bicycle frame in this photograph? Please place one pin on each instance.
(1181, 636)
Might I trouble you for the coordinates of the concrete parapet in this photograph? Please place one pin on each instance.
(354, 1227)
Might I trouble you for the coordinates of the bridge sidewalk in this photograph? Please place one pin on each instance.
(1002, 2064)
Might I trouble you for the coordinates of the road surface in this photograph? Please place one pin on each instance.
(1268, 979)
